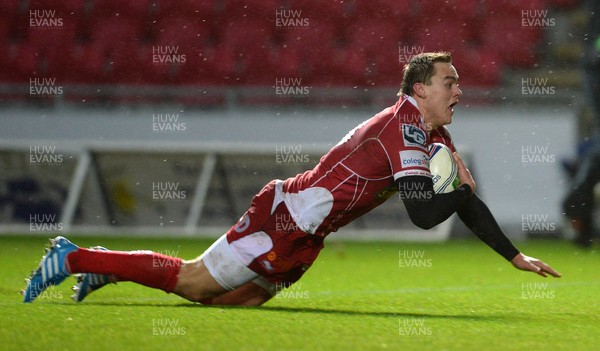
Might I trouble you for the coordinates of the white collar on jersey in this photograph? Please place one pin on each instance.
(412, 100)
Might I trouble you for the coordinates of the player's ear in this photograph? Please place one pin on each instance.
(419, 89)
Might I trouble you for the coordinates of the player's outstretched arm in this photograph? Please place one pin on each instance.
(477, 216)
(526, 263)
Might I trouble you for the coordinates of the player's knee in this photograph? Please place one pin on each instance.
(195, 283)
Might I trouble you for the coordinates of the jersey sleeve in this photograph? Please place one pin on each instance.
(442, 135)
(406, 147)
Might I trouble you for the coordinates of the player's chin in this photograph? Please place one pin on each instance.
(448, 116)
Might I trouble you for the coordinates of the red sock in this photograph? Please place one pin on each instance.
(143, 267)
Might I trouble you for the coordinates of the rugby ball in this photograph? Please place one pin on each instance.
(444, 170)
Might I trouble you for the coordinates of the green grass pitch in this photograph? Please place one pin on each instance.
(457, 295)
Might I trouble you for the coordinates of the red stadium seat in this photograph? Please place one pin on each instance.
(516, 46)
(37, 55)
(564, 4)
(139, 13)
(287, 61)
(319, 34)
(378, 43)
(395, 10)
(333, 11)
(367, 35)
(264, 10)
(338, 66)
(135, 9)
(17, 65)
(314, 45)
(512, 7)
(190, 39)
(12, 8)
(199, 69)
(246, 34)
(456, 9)
(16, 14)
(190, 34)
(113, 50)
(193, 10)
(245, 47)
(5, 33)
(444, 36)
(477, 67)
(115, 32)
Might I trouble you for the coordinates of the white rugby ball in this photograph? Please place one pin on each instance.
(444, 170)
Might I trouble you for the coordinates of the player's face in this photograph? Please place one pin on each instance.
(441, 95)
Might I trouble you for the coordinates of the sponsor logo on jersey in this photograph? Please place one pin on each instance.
(413, 136)
(243, 223)
(411, 173)
(414, 158)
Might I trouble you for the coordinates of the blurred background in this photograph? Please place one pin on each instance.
(154, 117)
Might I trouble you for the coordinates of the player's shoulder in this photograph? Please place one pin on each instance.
(442, 135)
(406, 110)
(442, 132)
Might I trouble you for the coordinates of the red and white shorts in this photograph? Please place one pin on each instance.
(265, 246)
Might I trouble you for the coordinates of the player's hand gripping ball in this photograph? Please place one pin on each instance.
(443, 168)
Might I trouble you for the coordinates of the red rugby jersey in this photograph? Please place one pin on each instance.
(359, 173)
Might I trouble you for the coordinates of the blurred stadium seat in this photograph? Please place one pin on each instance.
(251, 43)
